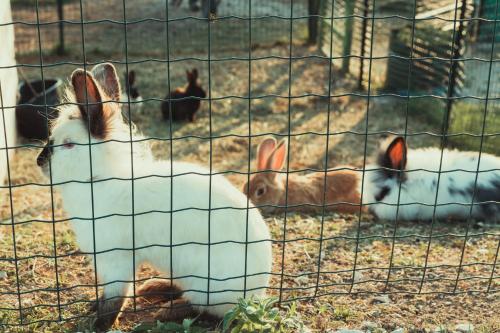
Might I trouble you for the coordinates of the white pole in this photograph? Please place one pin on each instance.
(9, 82)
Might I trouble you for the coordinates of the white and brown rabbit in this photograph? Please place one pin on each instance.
(172, 225)
(416, 172)
(267, 189)
(131, 94)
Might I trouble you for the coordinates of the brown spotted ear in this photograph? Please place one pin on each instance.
(276, 160)
(396, 154)
(89, 102)
(106, 77)
(265, 149)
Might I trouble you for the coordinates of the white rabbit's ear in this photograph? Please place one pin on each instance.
(265, 149)
(88, 97)
(276, 160)
(396, 154)
(106, 77)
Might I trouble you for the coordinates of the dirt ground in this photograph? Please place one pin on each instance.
(425, 286)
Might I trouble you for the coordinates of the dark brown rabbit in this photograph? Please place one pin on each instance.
(184, 102)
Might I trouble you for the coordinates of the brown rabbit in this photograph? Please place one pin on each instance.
(305, 191)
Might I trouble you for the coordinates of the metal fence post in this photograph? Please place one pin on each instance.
(347, 44)
(454, 65)
(60, 15)
(313, 21)
(363, 44)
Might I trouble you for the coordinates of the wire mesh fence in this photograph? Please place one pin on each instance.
(214, 91)
(187, 27)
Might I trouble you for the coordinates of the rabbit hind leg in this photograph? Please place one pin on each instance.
(155, 290)
(177, 309)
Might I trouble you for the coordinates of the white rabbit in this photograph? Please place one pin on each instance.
(417, 173)
(102, 213)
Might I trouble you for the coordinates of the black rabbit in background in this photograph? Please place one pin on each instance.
(135, 97)
(184, 101)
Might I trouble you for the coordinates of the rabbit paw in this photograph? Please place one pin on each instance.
(108, 311)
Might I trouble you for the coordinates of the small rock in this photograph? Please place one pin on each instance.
(27, 302)
(305, 330)
(464, 328)
(440, 329)
(358, 276)
(478, 225)
(384, 299)
(399, 330)
(302, 280)
(369, 325)
(482, 251)
(3, 274)
(345, 330)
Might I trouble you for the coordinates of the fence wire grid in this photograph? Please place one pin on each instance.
(333, 78)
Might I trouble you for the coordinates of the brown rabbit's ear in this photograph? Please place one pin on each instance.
(105, 75)
(194, 74)
(265, 149)
(89, 101)
(131, 78)
(396, 154)
(277, 159)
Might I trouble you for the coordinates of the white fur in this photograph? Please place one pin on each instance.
(418, 188)
(190, 193)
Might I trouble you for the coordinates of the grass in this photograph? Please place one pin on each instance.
(41, 2)
(253, 315)
(342, 313)
(187, 326)
(338, 301)
(427, 109)
(468, 117)
(188, 34)
(230, 115)
(247, 316)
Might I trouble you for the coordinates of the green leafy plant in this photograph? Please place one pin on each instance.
(254, 315)
(342, 313)
(187, 326)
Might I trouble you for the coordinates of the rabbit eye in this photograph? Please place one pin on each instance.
(260, 191)
(68, 144)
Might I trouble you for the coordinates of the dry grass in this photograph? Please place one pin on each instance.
(230, 116)
(346, 241)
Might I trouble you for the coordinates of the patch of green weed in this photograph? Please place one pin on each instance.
(255, 315)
